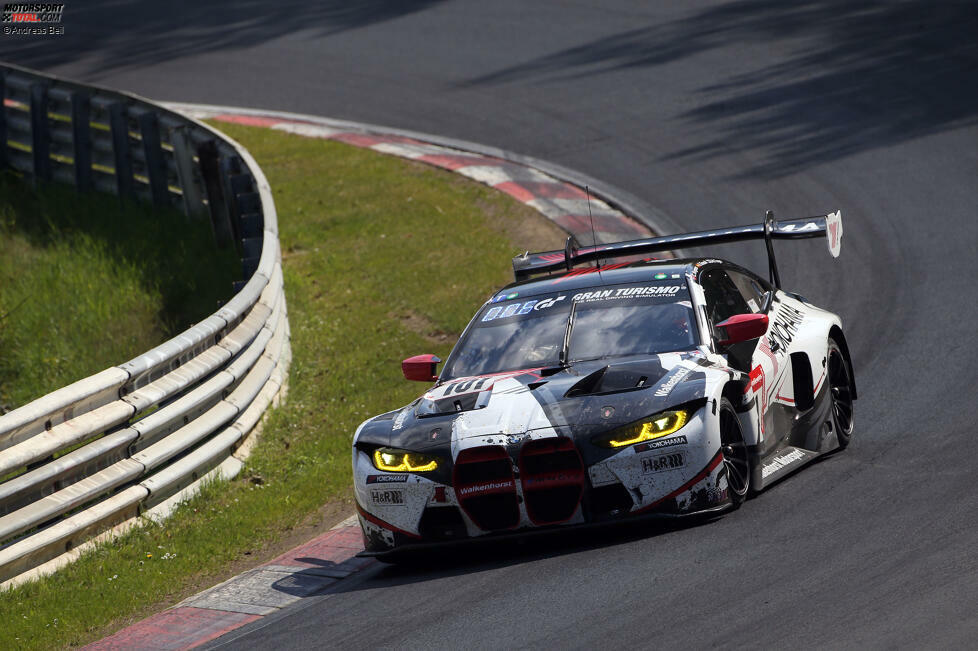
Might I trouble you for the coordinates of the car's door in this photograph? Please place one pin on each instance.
(770, 368)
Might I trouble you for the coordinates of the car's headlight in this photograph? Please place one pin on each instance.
(392, 460)
(654, 427)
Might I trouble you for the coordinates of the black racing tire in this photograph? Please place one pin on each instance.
(839, 379)
(736, 458)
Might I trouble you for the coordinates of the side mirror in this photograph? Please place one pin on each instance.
(741, 327)
(422, 368)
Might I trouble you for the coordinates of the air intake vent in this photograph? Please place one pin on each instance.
(485, 487)
(613, 499)
(552, 474)
(441, 523)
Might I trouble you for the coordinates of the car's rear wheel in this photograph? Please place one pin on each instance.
(736, 460)
(840, 389)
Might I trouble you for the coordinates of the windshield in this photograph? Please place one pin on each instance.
(611, 321)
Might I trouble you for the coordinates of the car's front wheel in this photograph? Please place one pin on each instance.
(736, 460)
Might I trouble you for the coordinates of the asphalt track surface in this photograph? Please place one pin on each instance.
(707, 114)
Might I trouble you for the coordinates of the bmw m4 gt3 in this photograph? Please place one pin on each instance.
(580, 395)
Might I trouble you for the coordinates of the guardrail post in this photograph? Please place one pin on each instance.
(248, 204)
(120, 148)
(149, 128)
(40, 139)
(183, 156)
(81, 141)
(210, 170)
(230, 167)
(248, 220)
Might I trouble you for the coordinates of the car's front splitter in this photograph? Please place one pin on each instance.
(421, 546)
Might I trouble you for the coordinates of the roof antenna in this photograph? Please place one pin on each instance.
(594, 238)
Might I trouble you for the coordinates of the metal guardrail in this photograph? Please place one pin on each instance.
(99, 452)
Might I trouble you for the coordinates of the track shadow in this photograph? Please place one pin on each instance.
(171, 254)
(128, 33)
(857, 76)
(481, 555)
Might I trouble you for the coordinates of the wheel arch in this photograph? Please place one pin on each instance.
(733, 391)
(836, 333)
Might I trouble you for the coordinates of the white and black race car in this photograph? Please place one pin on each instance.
(631, 387)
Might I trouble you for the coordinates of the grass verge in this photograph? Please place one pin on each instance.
(88, 282)
(382, 259)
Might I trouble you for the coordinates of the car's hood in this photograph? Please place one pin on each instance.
(580, 400)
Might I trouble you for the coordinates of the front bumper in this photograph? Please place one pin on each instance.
(421, 546)
(538, 484)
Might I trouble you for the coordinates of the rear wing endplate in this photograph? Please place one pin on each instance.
(830, 225)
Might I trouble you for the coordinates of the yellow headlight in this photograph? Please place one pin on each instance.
(664, 424)
(403, 461)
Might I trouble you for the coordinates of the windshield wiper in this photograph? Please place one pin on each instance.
(562, 359)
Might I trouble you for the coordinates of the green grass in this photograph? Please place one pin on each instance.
(88, 282)
(383, 259)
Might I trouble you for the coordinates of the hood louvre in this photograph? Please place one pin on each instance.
(618, 378)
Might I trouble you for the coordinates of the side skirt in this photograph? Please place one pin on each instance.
(782, 463)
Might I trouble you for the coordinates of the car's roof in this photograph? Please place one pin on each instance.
(611, 274)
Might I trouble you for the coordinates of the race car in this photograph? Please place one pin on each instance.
(630, 387)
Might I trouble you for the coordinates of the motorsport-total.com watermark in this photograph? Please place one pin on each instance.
(32, 19)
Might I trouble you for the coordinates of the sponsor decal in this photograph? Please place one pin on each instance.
(476, 384)
(755, 388)
(674, 276)
(486, 487)
(557, 477)
(626, 292)
(439, 495)
(756, 379)
(519, 309)
(678, 376)
(433, 434)
(513, 309)
(592, 296)
(799, 228)
(389, 497)
(661, 443)
(784, 328)
(663, 462)
(702, 263)
(548, 302)
(467, 386)
(513, 439)
(505, 297)
(660, 276)
(607, 412)
(399, 420)
(716, 495)
(782, 461)
(764, 349)
(386, 479)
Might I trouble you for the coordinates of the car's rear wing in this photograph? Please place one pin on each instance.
(530, 264)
